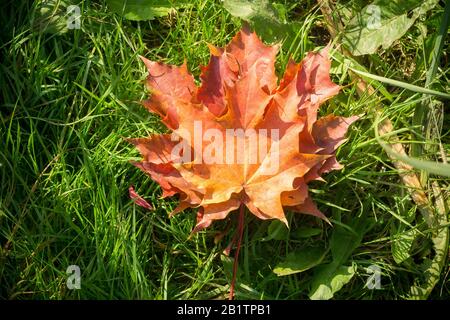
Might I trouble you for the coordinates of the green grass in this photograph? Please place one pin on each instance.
(69, 100)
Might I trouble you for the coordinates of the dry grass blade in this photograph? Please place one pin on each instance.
(407, 175)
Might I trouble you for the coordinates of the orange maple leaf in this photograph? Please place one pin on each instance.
(240, 138)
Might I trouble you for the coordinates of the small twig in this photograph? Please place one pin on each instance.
(240, 231)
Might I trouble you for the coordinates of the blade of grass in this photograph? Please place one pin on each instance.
(432, 167)
(401, 84)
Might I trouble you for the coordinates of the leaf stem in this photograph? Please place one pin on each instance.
(240, 231)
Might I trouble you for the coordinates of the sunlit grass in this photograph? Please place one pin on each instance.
(69, 100)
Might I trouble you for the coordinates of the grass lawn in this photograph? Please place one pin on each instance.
(69, 100)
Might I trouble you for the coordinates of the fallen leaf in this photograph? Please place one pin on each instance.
(240, 138)
(138, 199)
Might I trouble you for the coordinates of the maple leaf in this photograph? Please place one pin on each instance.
(241, 139)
